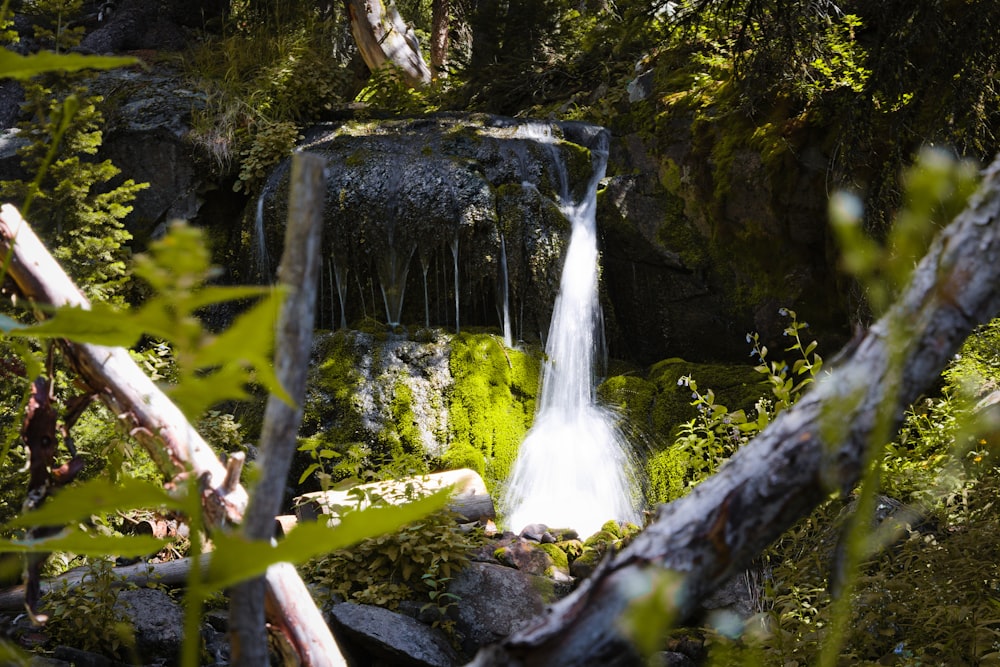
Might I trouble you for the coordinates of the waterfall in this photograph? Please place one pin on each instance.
(263, 257)
(574, 468)
(454, 253)
(340, 276)
(425, 265)
(393, 267)
(508, 337)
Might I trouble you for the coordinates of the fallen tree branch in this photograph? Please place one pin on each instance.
(794, 464)
(157, 424)
(384, 38)
(169, 573)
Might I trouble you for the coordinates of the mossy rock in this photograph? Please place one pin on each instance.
(560, 560)
(656, 405)
(492, 402)
(586, 563)
(572, 548)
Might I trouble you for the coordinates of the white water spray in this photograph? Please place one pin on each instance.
(508, 336)
(574, 469)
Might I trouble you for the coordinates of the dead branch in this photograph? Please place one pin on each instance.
(157, 424)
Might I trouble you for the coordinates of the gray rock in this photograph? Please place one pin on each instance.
(404, 195)
(494, 601)
(377, 636)
(158, 621)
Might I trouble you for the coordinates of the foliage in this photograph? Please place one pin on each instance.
(266, 76)
(937, 189)
(87, 616)
(705, 442)
(74, 200)
(387, 89)
(414, 563)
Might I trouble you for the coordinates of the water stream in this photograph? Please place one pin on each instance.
(574, 468)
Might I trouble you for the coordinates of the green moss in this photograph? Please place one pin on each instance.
(400, 447)
(560, 561)
(668, 470)
(612, 528)
(572, 548)
(463, 455)
(492, 402)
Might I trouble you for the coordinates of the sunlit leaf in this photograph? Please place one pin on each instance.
(101, 325)
(235, 558)
(87, 544)
(94, 497)
(16, 66)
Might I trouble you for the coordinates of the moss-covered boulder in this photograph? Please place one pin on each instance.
(386, 405)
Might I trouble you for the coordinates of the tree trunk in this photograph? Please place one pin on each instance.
(819, 445)
(384, 38)
(299, 274)
(161, 428)
(440, 23)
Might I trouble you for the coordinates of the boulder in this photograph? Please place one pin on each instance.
(158, 621)
(411, 201)
(372, 636)
(494, 601)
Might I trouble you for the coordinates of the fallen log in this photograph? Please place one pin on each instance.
(159, 426)
(818, 446)
(169, 573)
(383, 38)
(471, 500)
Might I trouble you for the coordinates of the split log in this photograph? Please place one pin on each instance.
(384, 38)
(169, 573)
(471, 501)
(818, 445)
(158, 425)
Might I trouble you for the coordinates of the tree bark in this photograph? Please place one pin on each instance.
(819, 445)
(299, 274)
(159, 426)
(440, 23)
(384, 38)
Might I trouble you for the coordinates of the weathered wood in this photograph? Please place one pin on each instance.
(471, 500)
(169, 573)
(154, 421)
(384, 38)
(299, 275)
(818, 445)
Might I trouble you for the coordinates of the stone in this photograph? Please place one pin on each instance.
(494, 601)
(526, 557)
(158, 621)
(374, 636)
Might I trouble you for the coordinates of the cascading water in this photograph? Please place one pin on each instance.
(574, 468)
(508, 336)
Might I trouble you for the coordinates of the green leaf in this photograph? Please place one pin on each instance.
(93, 497)
(101, 325)
(236, 559)
(87, 544)
(16, 66)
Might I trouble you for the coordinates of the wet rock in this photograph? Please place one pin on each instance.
(158, 621)
(527, 557)
(409, 200)
(494, 601)
(374, 636)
